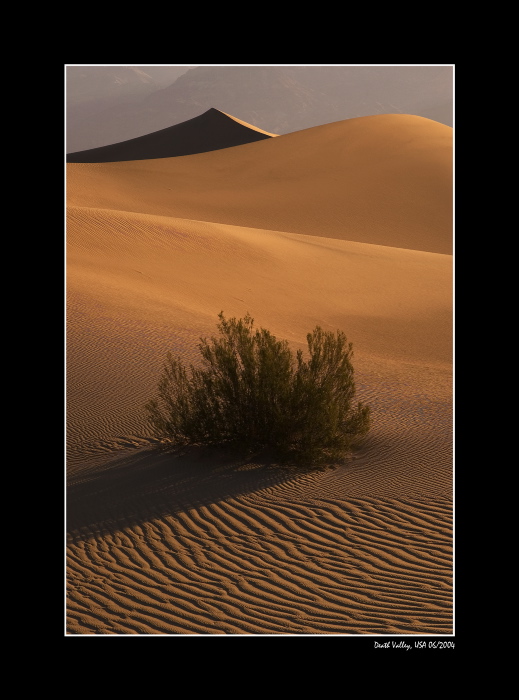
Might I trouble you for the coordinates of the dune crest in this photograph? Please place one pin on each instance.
(211, 131)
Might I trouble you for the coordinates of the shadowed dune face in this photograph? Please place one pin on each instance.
(210, 131)
(201, 543)
(385, 180)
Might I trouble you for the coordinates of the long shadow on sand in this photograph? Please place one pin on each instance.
(148, 483)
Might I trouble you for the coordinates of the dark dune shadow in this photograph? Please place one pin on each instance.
(210, 131)
(151, 483)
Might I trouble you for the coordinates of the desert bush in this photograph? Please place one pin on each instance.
(252, 392)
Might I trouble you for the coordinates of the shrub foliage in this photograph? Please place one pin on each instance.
(252, 392)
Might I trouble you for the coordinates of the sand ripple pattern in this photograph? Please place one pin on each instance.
(215, 557)
(247, 567)
(112, 370)
(409, 451)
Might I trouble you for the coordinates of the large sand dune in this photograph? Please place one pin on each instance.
(385, 180)
(198, 544)
(210, 131)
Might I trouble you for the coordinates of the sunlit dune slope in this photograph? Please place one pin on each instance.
(210, 131)
(139, 285)
(385, 180)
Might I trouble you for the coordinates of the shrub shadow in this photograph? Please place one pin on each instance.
(151, 483)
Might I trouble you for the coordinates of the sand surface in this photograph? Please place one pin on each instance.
(348, 226)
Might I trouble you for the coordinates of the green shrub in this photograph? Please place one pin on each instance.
(251, 392)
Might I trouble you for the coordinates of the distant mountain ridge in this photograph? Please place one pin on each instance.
(278, 99)
(94, 90)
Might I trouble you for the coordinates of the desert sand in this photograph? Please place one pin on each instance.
(346, 225)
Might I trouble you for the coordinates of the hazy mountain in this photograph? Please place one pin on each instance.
(91, 90)
(279, 99)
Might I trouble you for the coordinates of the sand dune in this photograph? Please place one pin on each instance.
(280, 99)
(208, 132)
(385, 180)
(198, 544)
